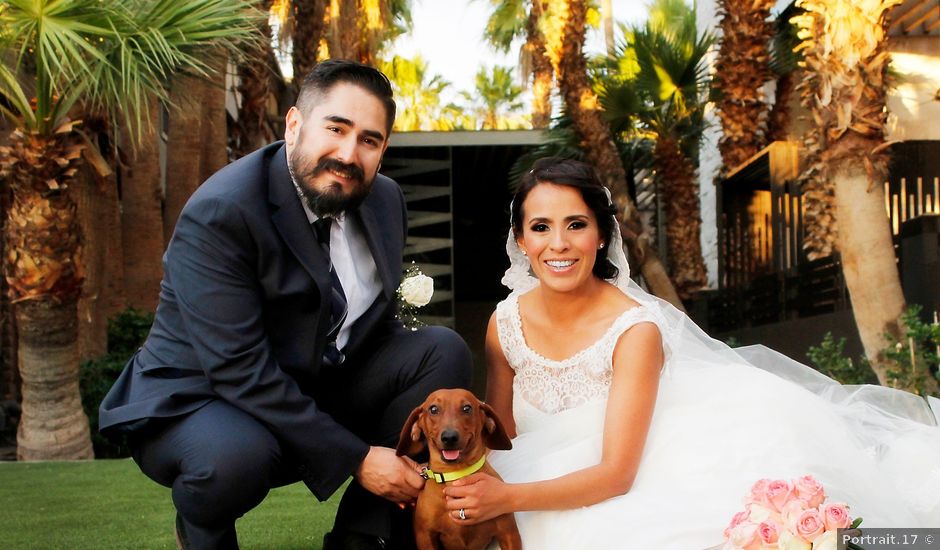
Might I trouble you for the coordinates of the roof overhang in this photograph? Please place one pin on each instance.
(467, 138)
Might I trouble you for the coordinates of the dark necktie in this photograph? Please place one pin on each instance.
(338, 306)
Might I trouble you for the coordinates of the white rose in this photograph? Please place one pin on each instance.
(825, 541)
(789, 541)
(417, 290)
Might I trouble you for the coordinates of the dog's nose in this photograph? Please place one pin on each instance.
(450, 437)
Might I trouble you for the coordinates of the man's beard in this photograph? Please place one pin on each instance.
(332, 201)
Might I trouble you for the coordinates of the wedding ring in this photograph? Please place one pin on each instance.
(461, 514)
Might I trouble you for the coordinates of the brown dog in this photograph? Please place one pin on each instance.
(457, 428)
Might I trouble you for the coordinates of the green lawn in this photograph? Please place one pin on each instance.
(108, 504)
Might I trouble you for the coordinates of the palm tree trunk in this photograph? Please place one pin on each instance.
(683, 222)
(196, 144)
(607, 24)
(583, 107)
(53, 425)
(308, 29)
(740, 72)
(868, 262)
(142, 220)
(343, 35)
(9, 377)
(541, 69)
(102, 261)
(43, 269)
(256, 89)
(778, 122)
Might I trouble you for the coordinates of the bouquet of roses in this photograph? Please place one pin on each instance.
(788, 516)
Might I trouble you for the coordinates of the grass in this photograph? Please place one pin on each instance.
(110, 504)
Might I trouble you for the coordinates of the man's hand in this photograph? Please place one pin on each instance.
(390, 476)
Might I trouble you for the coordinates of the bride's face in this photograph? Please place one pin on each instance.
(560, 236)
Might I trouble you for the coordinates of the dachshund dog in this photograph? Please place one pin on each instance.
(456, 428)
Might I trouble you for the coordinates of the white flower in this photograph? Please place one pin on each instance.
(826, 541)
(417, 290)
(789, 541)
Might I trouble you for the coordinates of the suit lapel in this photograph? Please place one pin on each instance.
(294, 227)
(387, 263)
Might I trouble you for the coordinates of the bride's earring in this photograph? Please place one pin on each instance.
(600, 246)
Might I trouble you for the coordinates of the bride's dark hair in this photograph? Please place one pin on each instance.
(584, 178)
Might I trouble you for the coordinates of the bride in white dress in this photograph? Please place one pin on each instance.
(633, 429)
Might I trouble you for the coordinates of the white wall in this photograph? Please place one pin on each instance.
(709, 159)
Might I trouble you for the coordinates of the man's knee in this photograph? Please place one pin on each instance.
(447, 353)
(219, 461)
(226, 480)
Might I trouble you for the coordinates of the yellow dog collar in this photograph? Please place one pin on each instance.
(444, 477)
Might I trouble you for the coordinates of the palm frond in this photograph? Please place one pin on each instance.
(507, 22)
(13, 93)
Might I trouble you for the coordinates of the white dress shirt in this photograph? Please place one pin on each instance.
(354, 266)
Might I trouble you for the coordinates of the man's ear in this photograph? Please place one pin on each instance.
(293, 122)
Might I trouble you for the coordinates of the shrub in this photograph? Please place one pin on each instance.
(126, 332)
(829, 358)
(917, 356)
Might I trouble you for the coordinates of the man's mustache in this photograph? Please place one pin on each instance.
(350, 170)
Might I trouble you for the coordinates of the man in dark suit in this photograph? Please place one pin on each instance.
(275, 355)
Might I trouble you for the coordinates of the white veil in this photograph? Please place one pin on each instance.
(879, 419)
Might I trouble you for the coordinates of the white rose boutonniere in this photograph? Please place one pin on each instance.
(415, 292)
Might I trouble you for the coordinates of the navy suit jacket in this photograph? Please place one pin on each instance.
(240, 316)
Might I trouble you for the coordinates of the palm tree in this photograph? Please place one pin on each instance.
(563, 26)
(418, 95)
(497, 99)
(257, 77)
(307, 25)
(669, 81)
(62, 57)
(846, 61)
(519, 19)
(742, 68)
(358, 29)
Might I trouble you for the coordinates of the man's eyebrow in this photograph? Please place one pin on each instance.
(374, 134)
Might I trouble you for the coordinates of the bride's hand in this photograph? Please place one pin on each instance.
(481, 496)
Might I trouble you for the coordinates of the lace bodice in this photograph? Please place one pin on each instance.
(552, 386)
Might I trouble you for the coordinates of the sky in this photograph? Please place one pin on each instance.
(449, 36)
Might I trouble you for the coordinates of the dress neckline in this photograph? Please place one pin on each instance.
(516, 315)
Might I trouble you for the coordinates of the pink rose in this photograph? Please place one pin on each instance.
(810, 524)
(810, 490)
(768, 532)
(744, 536)
(791, 512)
(736, 520)
(757, 491)
(836, 516)
(777, 494)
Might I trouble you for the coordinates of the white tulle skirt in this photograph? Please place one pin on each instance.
(717, 430)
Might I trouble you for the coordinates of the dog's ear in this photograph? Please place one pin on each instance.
(494, 434)
(411, 441)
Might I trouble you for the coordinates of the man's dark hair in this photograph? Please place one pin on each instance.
(584, 178)
(327, 74)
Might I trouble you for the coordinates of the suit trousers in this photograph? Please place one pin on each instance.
(220, 462)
